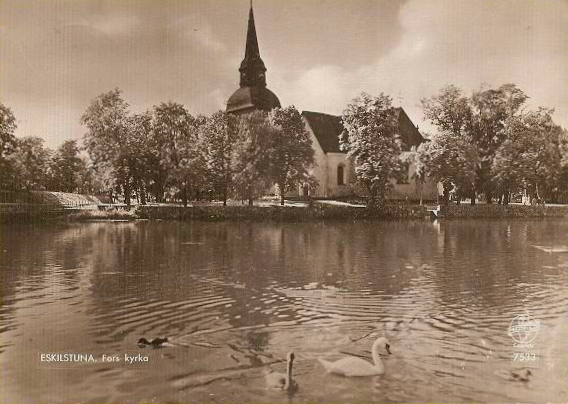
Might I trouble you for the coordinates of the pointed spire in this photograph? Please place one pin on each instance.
(252, 67)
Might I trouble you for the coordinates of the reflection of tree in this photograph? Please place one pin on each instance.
(480, 261)
(31, 255)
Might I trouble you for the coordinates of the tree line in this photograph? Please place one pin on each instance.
(485, 145)
(491, 145)
(164, 153)
(27, 164)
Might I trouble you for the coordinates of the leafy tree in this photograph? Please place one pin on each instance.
(251, 155)
(180, 161)
(492, 108)
(372, 140)
(140, 155)
(7, 145)
(562, 186)
(292, 152)
(449, 159)
(144, 152)
(217, 138)
(449, 111)
(66, 167)
(190, 173)
(479, 121)
(107, 139)
(530, 157)
(30, 162)
(89, 181)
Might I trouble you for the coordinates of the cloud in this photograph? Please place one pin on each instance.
(59, 54)
(318, 89)
(117, 24)
(195, 28)
(467, 43)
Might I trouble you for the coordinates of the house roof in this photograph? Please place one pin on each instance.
(328, 128)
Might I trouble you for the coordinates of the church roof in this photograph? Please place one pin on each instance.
(409, 133)
(328, 128)
(249, 98)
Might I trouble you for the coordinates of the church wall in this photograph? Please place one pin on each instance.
(325, 171)
(332, 187)
(319, 171)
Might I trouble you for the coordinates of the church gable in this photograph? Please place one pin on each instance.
(326, 129)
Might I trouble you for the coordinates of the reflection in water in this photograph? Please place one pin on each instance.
(234, 298)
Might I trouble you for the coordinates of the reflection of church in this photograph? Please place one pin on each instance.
(333, 170)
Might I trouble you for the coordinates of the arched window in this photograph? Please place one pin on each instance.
(340, 175)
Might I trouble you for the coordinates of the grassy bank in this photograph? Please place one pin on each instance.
(294, 213)
(61, 216)
(465, 211)
(93, 215)
(279, 213)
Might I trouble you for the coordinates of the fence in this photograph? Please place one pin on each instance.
(44, 202)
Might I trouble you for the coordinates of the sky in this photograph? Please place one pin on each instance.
(57, 55)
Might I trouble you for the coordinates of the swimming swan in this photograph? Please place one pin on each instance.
(283, 381)
(353, 366)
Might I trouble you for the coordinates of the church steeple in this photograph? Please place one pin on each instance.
(253, 71)
(252, 94)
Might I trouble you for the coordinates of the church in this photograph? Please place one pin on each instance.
(334, 171)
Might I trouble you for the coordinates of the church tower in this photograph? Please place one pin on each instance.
(252, 94)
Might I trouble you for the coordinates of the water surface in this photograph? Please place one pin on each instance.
(234, 298)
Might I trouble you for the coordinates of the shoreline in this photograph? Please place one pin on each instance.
(273, 213)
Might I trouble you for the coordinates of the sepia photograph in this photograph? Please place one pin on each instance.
(283, 201)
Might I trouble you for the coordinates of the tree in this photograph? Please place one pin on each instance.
(180, 161)
(217, 138)
(30, 162)
(292, 153)
(140, 154)
(477, 121)
(89, 181)
(107, 139)
(530, 157)
(491, 109)
(66, 167)
(371, 139)
(449, 111)
(562, 186)
(251, 155)
(449, 159)
(7, 145)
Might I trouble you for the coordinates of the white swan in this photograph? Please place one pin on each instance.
(283, 381)
(353, 366)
